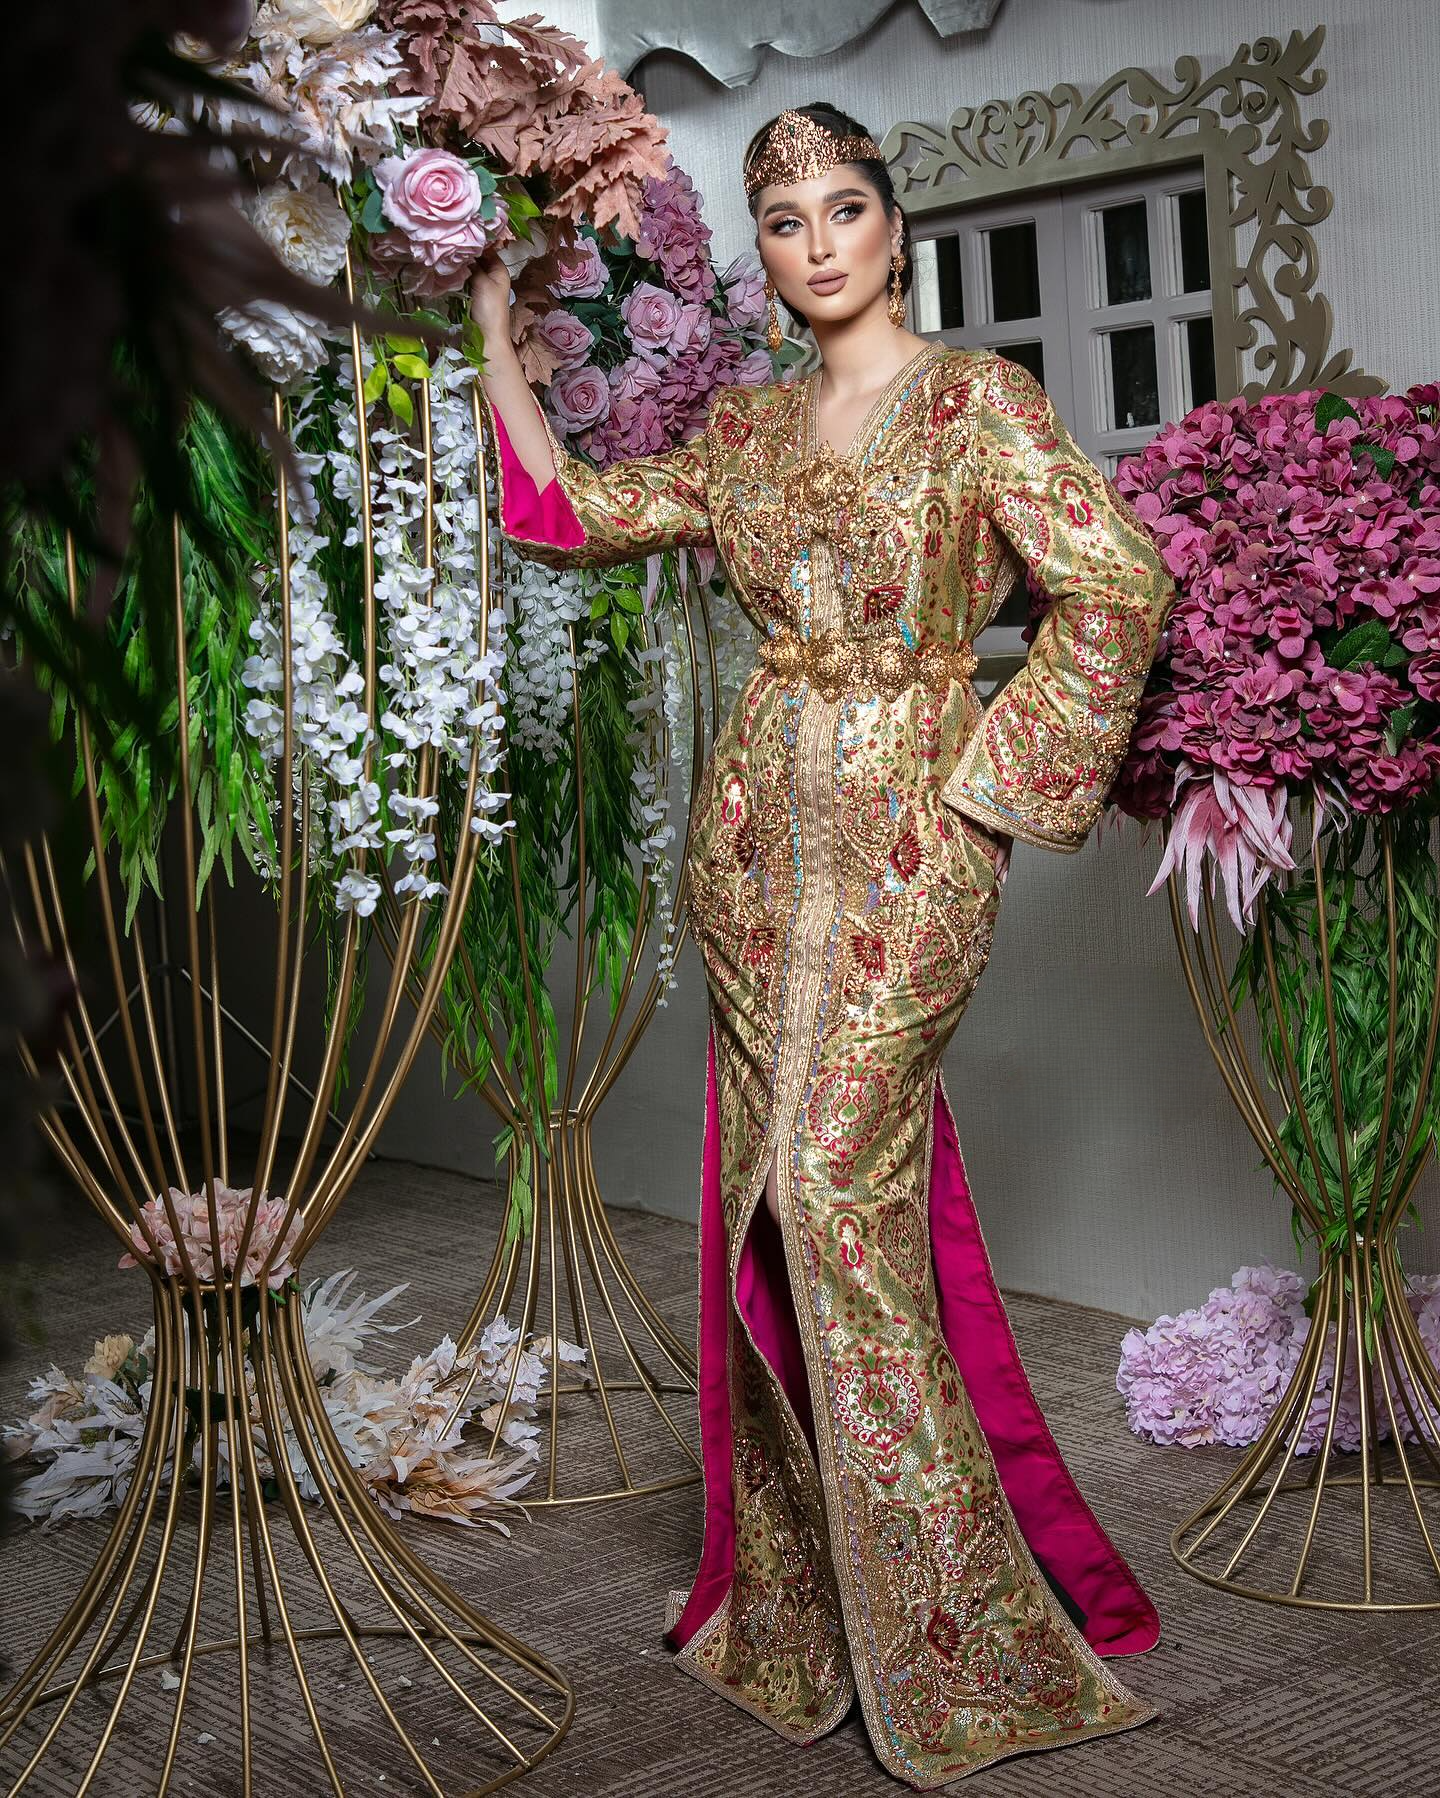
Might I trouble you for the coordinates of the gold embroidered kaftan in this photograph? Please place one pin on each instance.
(844, 880)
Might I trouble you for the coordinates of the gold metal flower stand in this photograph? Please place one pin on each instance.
(253, 1621)
(621, 1422)
(1299, 1522)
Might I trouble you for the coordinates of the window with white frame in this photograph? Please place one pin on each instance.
(1102, 292)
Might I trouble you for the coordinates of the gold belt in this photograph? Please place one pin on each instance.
(833, 663)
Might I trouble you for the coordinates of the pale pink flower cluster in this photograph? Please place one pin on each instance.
(194, 1249)
(673, 234)
(1285, 538)
(434, 200)
(685, 337)
(1215, 1373)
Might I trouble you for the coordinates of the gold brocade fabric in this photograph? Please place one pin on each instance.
(845, 874)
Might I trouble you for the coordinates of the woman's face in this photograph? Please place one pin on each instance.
(828, 225)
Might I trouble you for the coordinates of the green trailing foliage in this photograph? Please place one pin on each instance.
(230, 530)
(1356, 925)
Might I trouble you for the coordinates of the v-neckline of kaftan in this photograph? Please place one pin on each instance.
(811, 441)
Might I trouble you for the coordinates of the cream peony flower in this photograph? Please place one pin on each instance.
(315, 21)
(285, 344)
(305, 226)
(111, 1354)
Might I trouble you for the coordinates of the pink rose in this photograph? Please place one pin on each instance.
(578, 398)
(429, 194)
(443, 264)
(564, 334)
(632, 379)
(582, 272)
(756, 369)
(692, 330)
(744, 284)
(651, 315)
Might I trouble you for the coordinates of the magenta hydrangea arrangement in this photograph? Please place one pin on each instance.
(1302, 655)
(645, 332)
(1213, 1374)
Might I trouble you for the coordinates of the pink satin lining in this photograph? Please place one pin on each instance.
(533, 515)
(1059, 1526)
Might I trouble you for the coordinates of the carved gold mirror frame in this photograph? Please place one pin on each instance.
(1242, 124)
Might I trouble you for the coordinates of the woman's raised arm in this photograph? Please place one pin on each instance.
(554, 507)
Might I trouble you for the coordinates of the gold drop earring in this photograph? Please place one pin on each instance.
(897, 295)
(772, 335)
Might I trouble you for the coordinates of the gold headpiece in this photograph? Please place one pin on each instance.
(797, 147)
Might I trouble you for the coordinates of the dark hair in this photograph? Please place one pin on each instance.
(873, 168)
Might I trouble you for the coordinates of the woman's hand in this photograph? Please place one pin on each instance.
(490, 298)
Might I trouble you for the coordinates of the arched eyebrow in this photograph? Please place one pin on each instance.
(841, 193)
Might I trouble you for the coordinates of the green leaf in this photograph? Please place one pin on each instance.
(472, 344)
(412, 345)
(400, 403)
(375, 383)
(414, 368)
(1399, 725)
(520, 204)
(1384, 459)
(629, 600)
(620, 630)
(600, 604)
(372, 213)
(1331, 406)
(1365, 642)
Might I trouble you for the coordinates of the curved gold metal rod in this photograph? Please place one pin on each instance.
(1359, 1295)
(1310, 1209)
(1400, 1197)
(1250, 1078)
(1296, 1402)
(208, 1337)
(1252, 1123)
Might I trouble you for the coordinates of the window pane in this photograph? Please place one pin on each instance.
(1126, 238)
(1014, 271)
(1028, 355)
(1200, 359)
(1194, 243)
(1014, 608)
(1134, 384)
(939, 296)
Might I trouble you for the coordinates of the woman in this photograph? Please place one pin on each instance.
(886, 1512)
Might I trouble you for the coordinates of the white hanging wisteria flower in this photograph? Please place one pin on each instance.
(437, 694)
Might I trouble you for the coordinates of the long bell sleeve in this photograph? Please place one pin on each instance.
(1050, 743)
(597, 517)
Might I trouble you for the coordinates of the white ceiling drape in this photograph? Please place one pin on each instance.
(729, 37)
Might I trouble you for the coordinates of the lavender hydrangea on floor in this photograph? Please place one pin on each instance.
(1213, 1374)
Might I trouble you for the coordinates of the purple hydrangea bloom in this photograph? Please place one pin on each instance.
(1215, 1373)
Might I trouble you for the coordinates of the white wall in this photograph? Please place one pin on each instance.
(1108, 1164)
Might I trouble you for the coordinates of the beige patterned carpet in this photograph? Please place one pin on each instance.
(1257, 1700)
